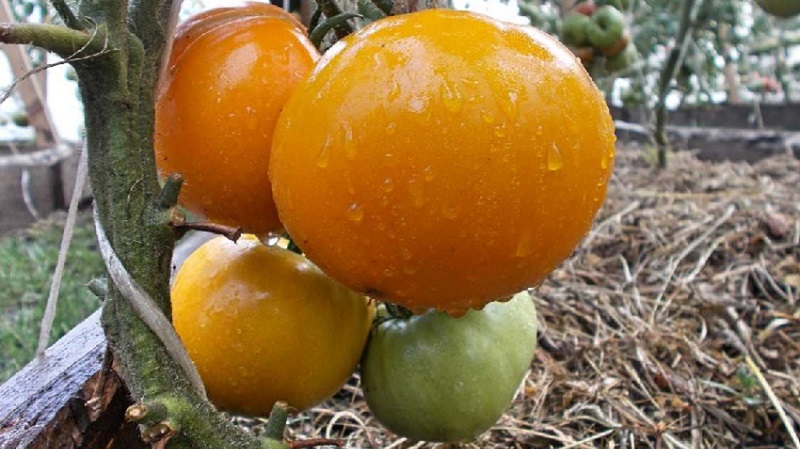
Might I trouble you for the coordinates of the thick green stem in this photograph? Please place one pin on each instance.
(674, 60)
(64, 42)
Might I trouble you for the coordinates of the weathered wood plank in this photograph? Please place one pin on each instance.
(67, 398)
(718, 144)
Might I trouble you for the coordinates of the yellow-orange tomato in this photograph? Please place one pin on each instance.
(442, 159)
(263, 324)
(192, 28)
(216, 114)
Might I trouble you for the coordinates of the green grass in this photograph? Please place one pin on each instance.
(27, 261)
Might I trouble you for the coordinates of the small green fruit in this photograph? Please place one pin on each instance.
(780, 8)
(606, 28)
(573, 29)
(623, 60)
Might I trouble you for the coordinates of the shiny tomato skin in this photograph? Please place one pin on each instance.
(263, 324)
(434, 377)
(195, 26)
(442, 159)
(216, 113)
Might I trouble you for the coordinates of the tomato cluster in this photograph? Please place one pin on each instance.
(592, 31)
(438, 161)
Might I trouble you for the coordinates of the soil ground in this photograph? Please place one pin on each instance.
(664, 330)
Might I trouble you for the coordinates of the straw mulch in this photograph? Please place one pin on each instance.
(674, 325)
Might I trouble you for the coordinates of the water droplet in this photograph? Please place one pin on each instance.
(417, 105)
(409, 269)
(417, 197)
(451, 212)
(324, 155)
(388, 185)
(389, 272)
(428, 173)
(405, 253)
(355, 213)
(494, 148)
(539, 130)
(524, 246)
(607, 159)
(509, 104)
(391, 128)
(349, 143)
(487, 117)
(394, 91)
(500, 130)
(555, 161)
(451, 97)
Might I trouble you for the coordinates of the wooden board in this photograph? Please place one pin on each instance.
(67, 399)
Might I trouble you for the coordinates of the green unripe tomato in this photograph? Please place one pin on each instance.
(433, 377)
(621, 5)
(780, 8)
(623, 60)
(573, 29)
(607, 27)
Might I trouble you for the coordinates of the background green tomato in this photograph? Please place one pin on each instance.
(433, 377)
(780, 8)
(607, 27)
(573, 29)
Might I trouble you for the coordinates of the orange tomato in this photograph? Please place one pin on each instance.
(442, 159)
(218, 108)
(263, 324)
(192, 28)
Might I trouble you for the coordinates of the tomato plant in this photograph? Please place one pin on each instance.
(433, 377)
(230, 75)
(264, 324)
(442, 159)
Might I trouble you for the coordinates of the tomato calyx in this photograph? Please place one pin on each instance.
(398, 312)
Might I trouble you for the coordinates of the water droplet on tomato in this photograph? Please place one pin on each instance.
(388, 185)
(606, 160)
(428, 173)
(524, 246)
(487, 117)
(405, 253)
(451, 212)
(391, 128)
(349, 144)
(409, 269)
(555, 161)
(324, 155)
(451, 97)
(394, 91)
(355, 213)
(500, 130)
(509, 104)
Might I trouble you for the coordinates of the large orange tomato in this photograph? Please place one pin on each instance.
(442, 159)
(217, 110)
(264, 324)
